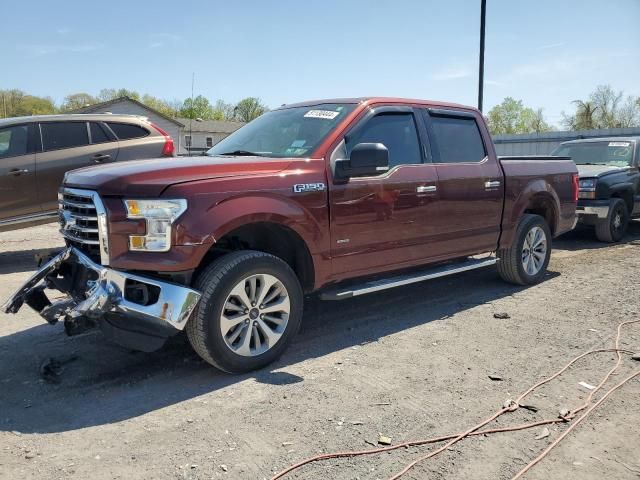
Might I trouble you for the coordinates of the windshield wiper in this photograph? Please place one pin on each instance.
(242, 153)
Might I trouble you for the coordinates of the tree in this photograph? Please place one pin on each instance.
(15, 103)
(248, 109)
(584, 118)
(199, 107)
(107, 94)
(76, 101)
(166, 108)
(511, 116)
(225, 110)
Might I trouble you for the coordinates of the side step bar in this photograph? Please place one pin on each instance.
(400, 280)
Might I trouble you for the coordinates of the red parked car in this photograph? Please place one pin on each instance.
(344, 197)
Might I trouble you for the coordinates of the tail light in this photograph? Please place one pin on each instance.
(168, 149)
(576, 186)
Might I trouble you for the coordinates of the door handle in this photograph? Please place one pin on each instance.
(100, 157)
(492, 184)
(17, 171)
(426, 189)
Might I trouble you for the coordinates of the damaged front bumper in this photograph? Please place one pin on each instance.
(96, 295)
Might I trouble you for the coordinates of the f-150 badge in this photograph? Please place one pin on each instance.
(308, 187)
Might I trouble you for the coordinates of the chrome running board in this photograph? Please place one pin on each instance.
(407, 279)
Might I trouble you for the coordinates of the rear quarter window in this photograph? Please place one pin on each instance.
(127, 131)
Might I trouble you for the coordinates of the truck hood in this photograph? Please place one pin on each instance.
(150, 177)
(591, 171)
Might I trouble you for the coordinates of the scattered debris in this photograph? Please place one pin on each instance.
(587, 385)
(593, 330)
(189, 420)
(563, 412)
(636, 357)
(286, 444)
(508, 403)
(501, 315)
(544, 433)
(369, 442)
(531, 408)
(495, 378)
(356, 422)
(29, 455)
(52, 368)
(382, 440)
(380, 404)
(15, 432)
(224, 468)
(578, 464)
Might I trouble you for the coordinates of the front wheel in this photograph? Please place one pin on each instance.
(251, 308)
(526, 261)
(613, 228)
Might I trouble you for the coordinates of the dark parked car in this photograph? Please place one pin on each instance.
(36, 152)
(609, 183)
(350, 197)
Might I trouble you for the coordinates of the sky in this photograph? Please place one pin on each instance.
(544, 52)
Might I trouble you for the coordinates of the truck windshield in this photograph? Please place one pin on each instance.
(616, 153)
(288, 132)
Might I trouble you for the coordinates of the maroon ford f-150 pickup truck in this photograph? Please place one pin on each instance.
(344, 197)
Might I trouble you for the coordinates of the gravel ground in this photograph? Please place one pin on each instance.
(408, 363)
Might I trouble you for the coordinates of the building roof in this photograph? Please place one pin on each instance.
(210, 126)
(99, 106)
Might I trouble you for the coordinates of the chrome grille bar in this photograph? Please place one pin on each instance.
(83, 221)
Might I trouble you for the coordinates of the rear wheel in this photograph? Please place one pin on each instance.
(614, 227)
(251, 307)
(526, 261)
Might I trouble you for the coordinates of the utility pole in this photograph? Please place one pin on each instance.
(483, 13)
(193, 110)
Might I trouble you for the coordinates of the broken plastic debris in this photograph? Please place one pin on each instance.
(501, 315)
(586, 385)
(495, 378)
(382, 440)
(544, 433)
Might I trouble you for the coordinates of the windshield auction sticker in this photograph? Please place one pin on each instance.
(325, 114)
(618, 144)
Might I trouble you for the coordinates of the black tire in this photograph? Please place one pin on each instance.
(609, 229)
(510, 264)
(216, 282)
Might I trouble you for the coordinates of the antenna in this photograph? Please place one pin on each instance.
(193, 80)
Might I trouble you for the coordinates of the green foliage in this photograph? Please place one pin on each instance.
(170, 109)
(107, 94)
(198, 107)
(76, 101)
(15, 103)
(605, 108)
(248, 109)
(511, 116)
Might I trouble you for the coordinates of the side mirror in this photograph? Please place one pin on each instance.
(366, 159)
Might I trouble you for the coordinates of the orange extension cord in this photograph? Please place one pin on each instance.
(513, 406)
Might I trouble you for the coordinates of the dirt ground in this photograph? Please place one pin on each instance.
(409, 363)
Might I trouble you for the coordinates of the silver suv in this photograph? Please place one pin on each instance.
(36, 151)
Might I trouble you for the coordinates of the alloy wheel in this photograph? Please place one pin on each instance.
(255, 315)
(534, 251)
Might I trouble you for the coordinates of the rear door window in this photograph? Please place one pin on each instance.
(397, 132)
(127, 131)
(14, 141)
(98, 135)
(456, 139)
(58, 135)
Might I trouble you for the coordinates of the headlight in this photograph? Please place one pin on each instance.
(160, 215)
(588, 184)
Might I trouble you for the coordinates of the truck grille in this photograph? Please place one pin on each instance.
(81, 215)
